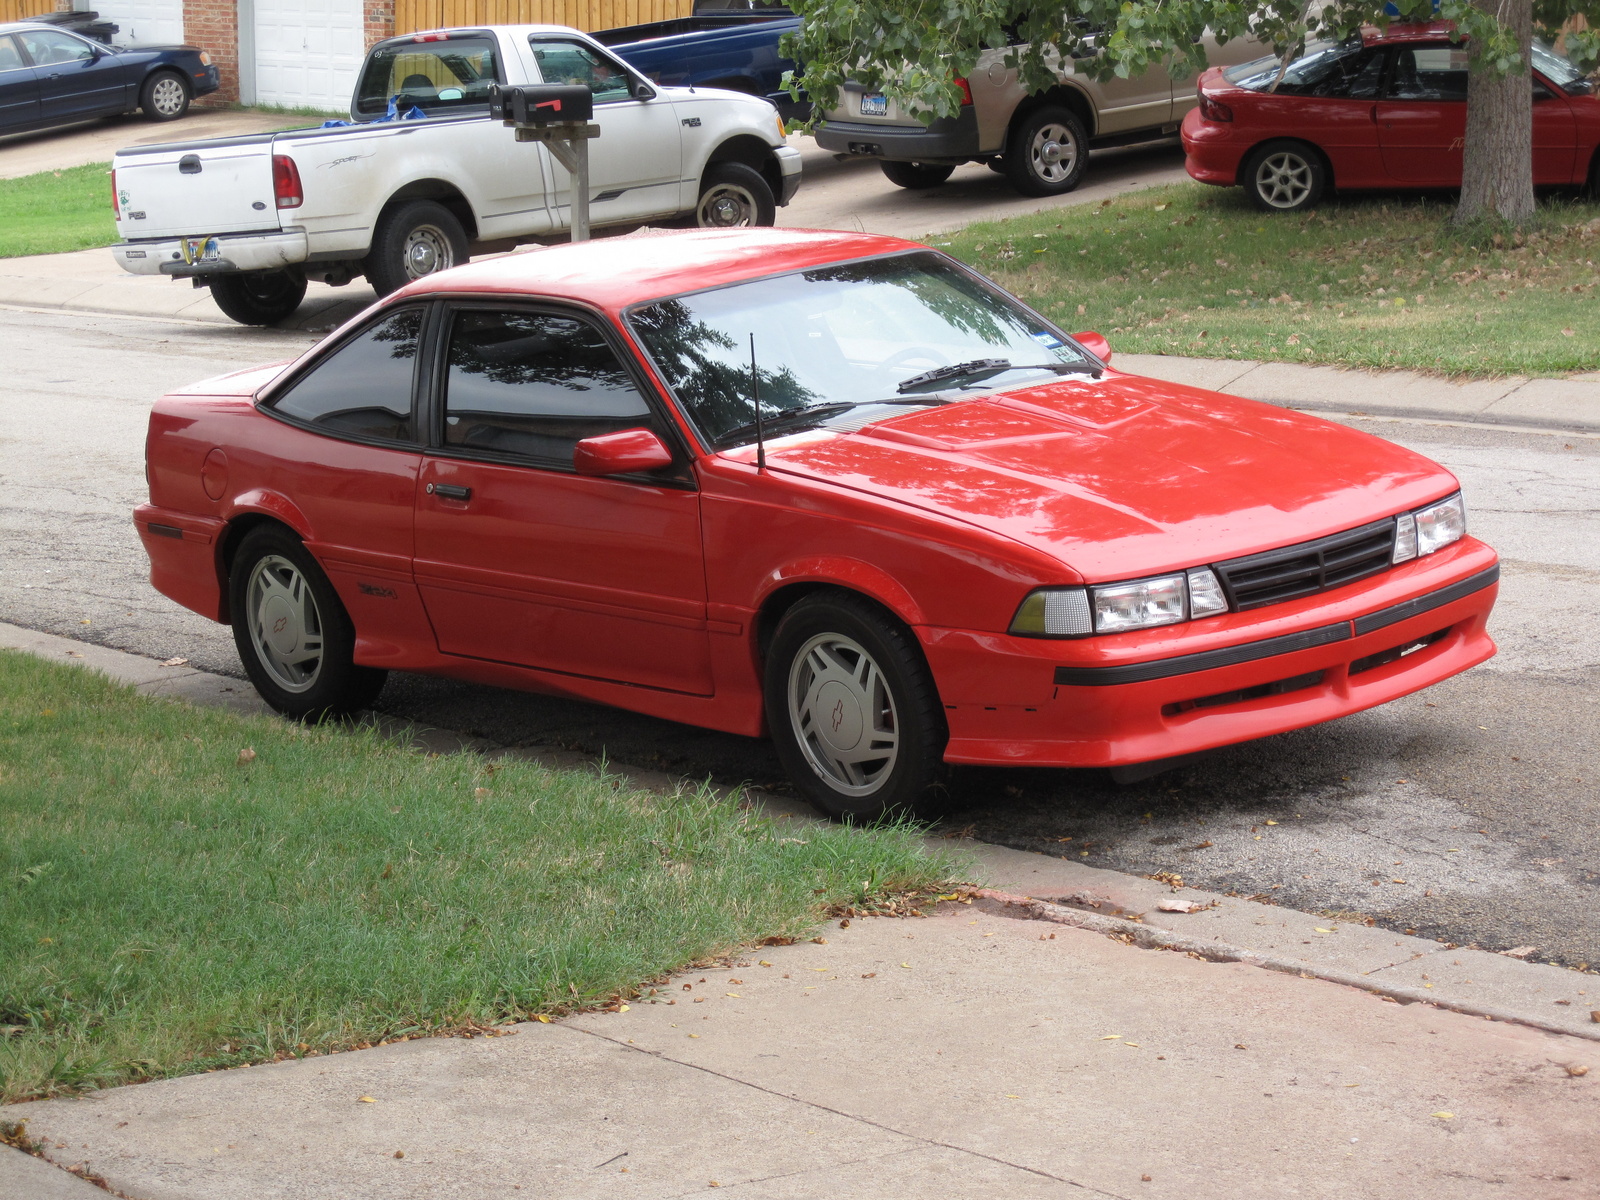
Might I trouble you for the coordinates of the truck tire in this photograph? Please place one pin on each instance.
(1047, 152)
(259, 297)
(164, 96)
(413, 239)
(915, 175)
(732, 196)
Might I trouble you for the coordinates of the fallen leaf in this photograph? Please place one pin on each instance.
(1131, 1045)
(1179, 906)
(1397, 881)
(247, 755)
(1577, 1070)
(1320, 929)
(731, 996)
(85, 621)
(481, 793)
(820, 941)
(399, 1153)
(761, 962)
(1269, 822)
(694, 1035)
(1519, 951)
(541, 1018)
(1112, 1037)
(174, 662)
(1240, 1046)
(622, 1008)
(907, 966)
(1009, 1096)
(1569, 333)
(367, 1100)
(870, 975)
(1445, 1116)
(1161, 208)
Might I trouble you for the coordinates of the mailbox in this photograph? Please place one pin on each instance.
(541, 104)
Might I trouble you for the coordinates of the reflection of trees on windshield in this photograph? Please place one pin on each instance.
(518, 350)
(402, 329)
(702, 365)
(935, 287)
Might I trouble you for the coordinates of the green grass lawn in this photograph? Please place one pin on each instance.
(56, 211)
(1361, 282)
(169, 904)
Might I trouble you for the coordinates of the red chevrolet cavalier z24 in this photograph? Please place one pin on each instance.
(958, 537)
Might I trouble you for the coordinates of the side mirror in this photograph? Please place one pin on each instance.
(620, 453)
(641, 90)
(1095, 344)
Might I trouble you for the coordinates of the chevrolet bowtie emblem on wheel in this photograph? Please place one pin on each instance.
(282, 623)
(837, 715)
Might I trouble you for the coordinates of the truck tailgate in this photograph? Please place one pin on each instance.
(193, 188)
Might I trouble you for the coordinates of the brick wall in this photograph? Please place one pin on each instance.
(379, 21)
(213, 25)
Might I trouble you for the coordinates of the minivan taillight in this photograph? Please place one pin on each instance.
(966, 91)
(1214, 110)
(286, 182)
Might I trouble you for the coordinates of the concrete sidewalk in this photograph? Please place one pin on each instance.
(88, 281)
(971, 1053)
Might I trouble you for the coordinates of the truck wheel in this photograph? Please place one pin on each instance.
(259, 297)
(732, 196)
(412, 240)
(916, 175)
(1284, 176)
(164, 96)
(293, 635)
(1047, 152)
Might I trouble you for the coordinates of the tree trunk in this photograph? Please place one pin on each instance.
(1497, 157)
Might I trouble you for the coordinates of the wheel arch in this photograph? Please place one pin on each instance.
(1072, 98)
(160, 68)
(750, 151)
(787, 588)
(1322, 156)
(248, 513)
(440, 191)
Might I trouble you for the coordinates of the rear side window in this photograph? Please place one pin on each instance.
(1429, 73)
(435, 76)
(364, 388)
(534, 385)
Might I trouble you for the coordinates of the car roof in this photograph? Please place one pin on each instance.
(1429, 31)
(612, 273)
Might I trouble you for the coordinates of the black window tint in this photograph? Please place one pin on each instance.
(534, 384)
(364, 387)
(1429, 73)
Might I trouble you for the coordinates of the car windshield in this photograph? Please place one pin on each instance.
(452, 71)
(1557, 68)
(1320, 65)
(839, 337)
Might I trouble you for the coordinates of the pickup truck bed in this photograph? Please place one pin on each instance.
(737, 51)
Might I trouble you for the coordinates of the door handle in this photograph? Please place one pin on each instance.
(450, 491)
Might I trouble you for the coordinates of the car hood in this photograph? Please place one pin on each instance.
(1123, 476)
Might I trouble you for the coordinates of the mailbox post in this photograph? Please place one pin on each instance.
(559, 115)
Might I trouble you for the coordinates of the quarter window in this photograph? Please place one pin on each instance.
(10, 56)
(533, 385)
(1429, 73)
(365, 387)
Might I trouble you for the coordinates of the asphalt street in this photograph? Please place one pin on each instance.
(1469, 813)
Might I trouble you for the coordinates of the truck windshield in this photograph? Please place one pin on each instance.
(845, 336)
(435, 76)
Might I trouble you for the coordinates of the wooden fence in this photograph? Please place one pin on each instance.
(411, 15)
(15, 10)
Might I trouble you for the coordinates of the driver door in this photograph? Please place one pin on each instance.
(1422, 118)
(636, 164)
(75, 79)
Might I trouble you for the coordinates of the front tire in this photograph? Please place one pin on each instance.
(293, 635)
(1285, 177)
(916, 176)
(413, 240)
(259, 297)
(733, 196)
(164, 96)
(1047, 152)
(853, 709)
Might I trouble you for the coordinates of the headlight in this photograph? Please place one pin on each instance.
(205, 59)
(1429, 529)
(1114, 607)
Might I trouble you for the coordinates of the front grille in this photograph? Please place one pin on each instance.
(1274, 576)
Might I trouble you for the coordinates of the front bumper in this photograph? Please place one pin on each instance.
(1111, 701)
(1211, 150)
(205, 80)
(788, 171)
(264, 251)
(952, 139)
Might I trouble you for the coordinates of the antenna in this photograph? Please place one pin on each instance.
(755, 398)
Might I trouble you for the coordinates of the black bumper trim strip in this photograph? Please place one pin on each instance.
(1228, 656)
(1205, 660)
(1422, 604)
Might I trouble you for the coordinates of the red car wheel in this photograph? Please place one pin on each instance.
(1285, 176)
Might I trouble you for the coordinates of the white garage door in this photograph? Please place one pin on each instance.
(142, 22)
(307, 52)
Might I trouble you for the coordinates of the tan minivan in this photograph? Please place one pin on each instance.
(1040, 142)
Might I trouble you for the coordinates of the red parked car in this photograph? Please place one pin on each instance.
(1383, 110)
(956, 535)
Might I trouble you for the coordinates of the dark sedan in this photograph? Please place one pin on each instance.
(51, 76)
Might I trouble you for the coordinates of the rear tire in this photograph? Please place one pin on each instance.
(1047, 152)
(412, 240)
(733, 196)
(164, 96)
(915, 175)
(259, 297)
(292, 632)
(853, 709)
(1284, 176)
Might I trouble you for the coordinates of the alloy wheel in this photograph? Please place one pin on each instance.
(167, 96)
(285, 624)
(843, 714)
(1284, 179)
(1054, 153)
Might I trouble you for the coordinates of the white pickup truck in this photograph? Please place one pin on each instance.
(423, 175)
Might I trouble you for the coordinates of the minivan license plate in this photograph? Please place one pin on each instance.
(874, 104)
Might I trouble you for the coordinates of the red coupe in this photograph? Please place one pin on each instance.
(1383, 110)
(947, 531)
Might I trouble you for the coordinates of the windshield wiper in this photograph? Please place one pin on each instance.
(817, 413)
(991, 366)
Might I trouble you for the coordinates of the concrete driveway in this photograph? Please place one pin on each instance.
(96, 141)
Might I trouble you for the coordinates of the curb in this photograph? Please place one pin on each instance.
(1149, 938)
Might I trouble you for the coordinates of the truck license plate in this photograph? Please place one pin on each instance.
(205, 249)
(874, 104)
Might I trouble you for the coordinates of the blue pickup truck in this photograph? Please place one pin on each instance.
(733, 50)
